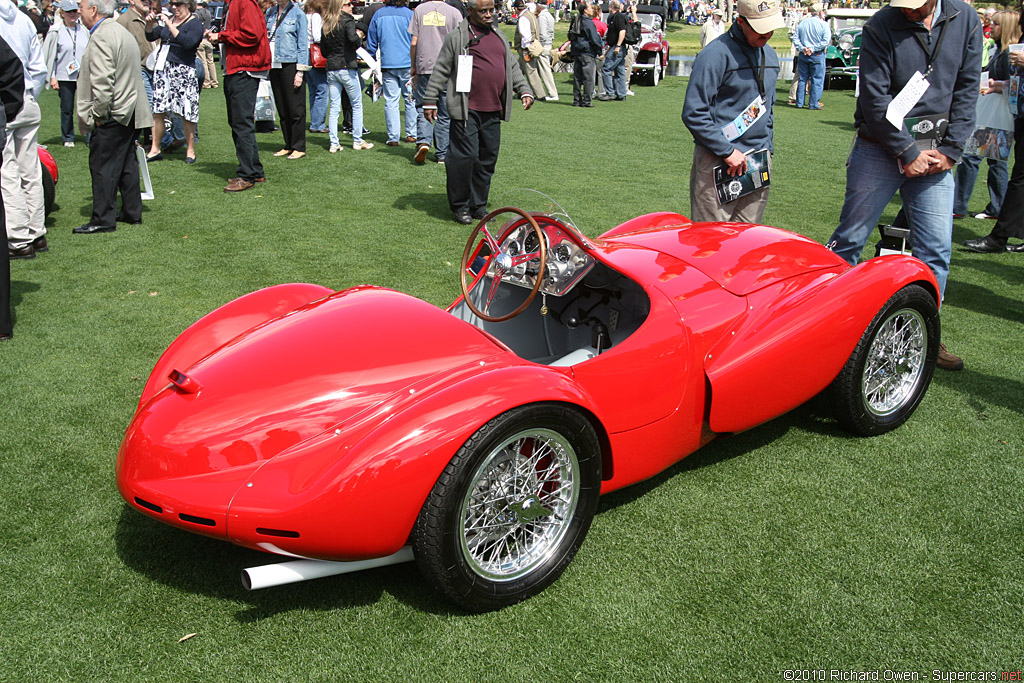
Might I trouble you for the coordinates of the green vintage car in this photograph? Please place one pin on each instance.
(841, 58)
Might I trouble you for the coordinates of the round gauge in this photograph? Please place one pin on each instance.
(562, 253)
(512, 247)
(531, 243)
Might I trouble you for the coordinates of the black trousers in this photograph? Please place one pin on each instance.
(114, 166)
(472, 157)
(6, 325)
(66, 90)
(240, 93)
(291, 106)
(1011, 216)
(584, 74)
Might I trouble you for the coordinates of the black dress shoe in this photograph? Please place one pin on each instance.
(40, 245)
(479, 213)
(89, 229)
(159, 156)
(22, 252)
(985, 245)
(7, 337)
(1015, 248)
(463, 217)
(120, 218)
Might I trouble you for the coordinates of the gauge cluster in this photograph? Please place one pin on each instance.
(567, 262)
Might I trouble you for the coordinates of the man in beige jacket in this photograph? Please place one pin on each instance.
(112, 106)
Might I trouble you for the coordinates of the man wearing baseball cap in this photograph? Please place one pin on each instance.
(928, 52)
(728, 109)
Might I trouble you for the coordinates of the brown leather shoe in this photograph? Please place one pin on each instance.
(24, 251)
(237, 185)
(40, 245)
(410, 138)
(949, 361)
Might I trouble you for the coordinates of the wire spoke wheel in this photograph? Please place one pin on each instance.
(518, 506)
(889, 371)
(895, 362)
(511, 508)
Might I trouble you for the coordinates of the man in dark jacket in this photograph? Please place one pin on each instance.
(586, 47)
(479, 99)
(929, 54)
(12, 94)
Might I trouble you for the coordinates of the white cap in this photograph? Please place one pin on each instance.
(764, 16)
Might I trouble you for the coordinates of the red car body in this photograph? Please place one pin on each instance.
(313, 423)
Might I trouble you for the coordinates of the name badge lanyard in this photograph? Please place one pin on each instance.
(280, 18)
(930, 56)
(758, 73)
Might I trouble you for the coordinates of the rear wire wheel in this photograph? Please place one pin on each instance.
(511, 509)
(889, 371)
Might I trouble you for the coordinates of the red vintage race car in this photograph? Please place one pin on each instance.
(366, 426)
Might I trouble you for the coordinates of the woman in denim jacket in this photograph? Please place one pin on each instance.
(288, 32)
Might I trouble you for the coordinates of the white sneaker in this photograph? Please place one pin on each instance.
(630, 92)
(69, 144)
(362, 145)
(552, 99)
(984, 215)
(334, 149)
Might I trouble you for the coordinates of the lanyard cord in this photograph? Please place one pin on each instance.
(930, 56)
(758, 73)
(281, 17)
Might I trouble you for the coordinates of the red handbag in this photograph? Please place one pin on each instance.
(316, 57)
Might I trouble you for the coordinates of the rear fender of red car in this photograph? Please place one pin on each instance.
(797, 335)
(223, 324)
(355, 493)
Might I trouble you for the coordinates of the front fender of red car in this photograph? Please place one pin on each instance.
(355, 492)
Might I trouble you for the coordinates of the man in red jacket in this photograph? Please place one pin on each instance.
(246, 61)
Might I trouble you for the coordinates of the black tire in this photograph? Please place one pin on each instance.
(473, 540)
(889, 372)
(49, 190)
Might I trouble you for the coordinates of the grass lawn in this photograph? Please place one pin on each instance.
(791, 546)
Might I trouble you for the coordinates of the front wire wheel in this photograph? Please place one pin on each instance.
(512, 507)
(890, 369)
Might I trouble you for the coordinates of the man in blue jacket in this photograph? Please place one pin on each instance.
(910, 144)
(389, 30)
(728, 109)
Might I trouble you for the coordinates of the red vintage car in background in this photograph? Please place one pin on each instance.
(49, 168)
(652, 55)
(361, 427)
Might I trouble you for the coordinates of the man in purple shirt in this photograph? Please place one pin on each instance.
(477, 71)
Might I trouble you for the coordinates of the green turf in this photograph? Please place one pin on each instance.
(793, 545)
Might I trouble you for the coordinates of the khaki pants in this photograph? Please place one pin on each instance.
(704, 204)
(23, 178)
(206, 56)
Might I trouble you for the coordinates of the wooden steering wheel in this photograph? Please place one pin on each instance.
(502, 263)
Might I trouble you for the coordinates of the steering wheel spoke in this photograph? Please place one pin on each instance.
(500, 263)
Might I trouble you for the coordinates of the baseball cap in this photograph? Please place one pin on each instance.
(717, 12)
(815, 7)
(907, 4)
(765, 16)
(68, 5)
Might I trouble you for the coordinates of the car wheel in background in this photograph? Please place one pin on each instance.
(511, 509)
(49, 190)
(890, 369)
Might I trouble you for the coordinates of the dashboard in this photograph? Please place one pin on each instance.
(567, 262)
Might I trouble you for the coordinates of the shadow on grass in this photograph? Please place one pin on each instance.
(814, 416)
(970, 297)
(983, 390)
(842, 125)
(206, 566)
(434, 204)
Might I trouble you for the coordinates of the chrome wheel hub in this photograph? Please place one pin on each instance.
(895, 362)
(519, 504)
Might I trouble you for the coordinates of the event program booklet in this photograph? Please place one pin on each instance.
(730, 188)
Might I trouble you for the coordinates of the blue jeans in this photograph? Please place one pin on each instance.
(613, 73)
(317, 79)
(396, 88)
(438, 132)
(349, 80)
(810, 68)
(872, 179)
(967, 173)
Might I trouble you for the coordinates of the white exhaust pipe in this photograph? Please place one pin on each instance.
(281, 573)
